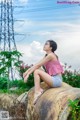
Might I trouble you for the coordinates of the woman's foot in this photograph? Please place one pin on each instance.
(41, 90)
(37, 95)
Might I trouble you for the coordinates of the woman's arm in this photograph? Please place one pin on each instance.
(38, 65)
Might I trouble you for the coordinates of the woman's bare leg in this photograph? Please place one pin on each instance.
(40, 74)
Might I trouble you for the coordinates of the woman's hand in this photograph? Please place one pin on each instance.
(25, 73)
(26, 78)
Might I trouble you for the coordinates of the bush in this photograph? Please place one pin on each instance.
(21, 86)
(72, 79)
(3, 83)
(75, 110)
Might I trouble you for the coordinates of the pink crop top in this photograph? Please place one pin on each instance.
(53, 67)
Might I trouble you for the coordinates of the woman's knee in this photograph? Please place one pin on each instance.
(36, 71)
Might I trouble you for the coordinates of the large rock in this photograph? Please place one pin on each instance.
(7, 100)
(22, 98)
(14, 106)
(52, 104)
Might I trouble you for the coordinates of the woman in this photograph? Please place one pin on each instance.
(51, 63)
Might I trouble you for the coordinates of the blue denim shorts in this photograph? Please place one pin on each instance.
(57, 80)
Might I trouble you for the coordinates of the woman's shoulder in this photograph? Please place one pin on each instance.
(53, 56)
(50, 55)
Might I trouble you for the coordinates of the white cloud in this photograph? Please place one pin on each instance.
(22, 26)
(1, 0)
(23, 1)
(32, 52)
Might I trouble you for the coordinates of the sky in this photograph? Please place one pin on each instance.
(39, 20)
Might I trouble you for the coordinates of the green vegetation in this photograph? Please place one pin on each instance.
(8, 59)
(72, 79)
(75, 110)
(18, 86)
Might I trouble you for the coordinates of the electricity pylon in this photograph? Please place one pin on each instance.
(7, 39)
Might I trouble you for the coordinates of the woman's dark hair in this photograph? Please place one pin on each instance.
(53, 44)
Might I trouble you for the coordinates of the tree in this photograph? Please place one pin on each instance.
(8, 59)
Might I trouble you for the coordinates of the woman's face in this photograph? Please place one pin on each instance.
(47, 46)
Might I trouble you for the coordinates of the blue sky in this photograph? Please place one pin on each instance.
(47, 19)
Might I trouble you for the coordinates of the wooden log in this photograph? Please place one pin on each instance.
(52, 104)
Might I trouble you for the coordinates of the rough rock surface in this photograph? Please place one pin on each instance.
(52, 104)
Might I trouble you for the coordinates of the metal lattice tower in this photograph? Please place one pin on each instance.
(7, 40)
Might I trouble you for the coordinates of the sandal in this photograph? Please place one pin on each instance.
(36, 96)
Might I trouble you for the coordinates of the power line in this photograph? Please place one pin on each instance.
(44, 9)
